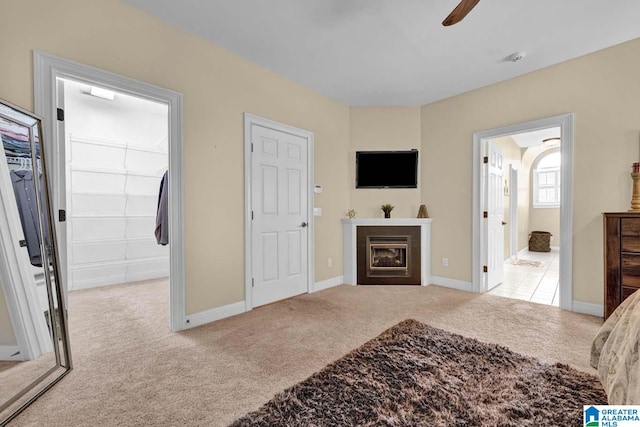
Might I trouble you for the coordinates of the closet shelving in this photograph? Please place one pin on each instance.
(113, 195)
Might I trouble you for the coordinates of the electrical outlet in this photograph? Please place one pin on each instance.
(445, 262)
(330, 262)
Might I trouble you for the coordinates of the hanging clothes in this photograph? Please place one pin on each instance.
(25, 191)
(162, 215)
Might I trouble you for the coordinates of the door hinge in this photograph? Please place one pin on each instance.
(22, 243)
(485, 269)
(62, 215)
(485, 214)
(251, 214)
(485, 159)
(252, 282)
(252, 147)
(60, 113)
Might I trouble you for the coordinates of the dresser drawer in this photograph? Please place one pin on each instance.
(626, 292)
(630, 235)
(630, 270)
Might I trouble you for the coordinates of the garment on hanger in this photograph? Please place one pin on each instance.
(24, 188)
(162, 215)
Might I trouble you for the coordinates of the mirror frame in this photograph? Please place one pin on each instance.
(59, 335)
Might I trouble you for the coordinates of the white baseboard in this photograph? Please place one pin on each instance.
(588, 308)
(118, 280)
(452, 283)
(329, 283)
(207, 316)
(6, 351)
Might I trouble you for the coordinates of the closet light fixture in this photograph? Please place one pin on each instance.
(102, 93)
(551, 142)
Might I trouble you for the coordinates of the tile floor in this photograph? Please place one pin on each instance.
(531, 283)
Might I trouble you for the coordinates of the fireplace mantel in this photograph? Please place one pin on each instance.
(349, 232)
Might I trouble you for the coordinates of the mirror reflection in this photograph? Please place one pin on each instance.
(33, 336)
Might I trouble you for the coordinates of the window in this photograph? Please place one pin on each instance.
(546, 181)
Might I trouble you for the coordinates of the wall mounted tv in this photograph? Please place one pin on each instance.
(387, 169)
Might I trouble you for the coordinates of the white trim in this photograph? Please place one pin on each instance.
(452, 283)
(328, 283)
(208, 316)
(565, 122)
(119, 279)
(6, 351)
(250, 120)
(388, 221)
(555, 248)
(47, 68)
(588, 308)
(513, 211)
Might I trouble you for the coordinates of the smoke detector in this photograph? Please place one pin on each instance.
(517, 57)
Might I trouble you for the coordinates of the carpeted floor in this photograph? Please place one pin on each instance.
(130, 371)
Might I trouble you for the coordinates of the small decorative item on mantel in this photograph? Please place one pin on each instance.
(351, 213)
(422, 212)
(387, 210)
(635, 197)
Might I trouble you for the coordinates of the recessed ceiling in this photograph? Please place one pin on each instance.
(396, 52)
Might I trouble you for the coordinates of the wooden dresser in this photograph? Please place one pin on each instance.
(621, 257)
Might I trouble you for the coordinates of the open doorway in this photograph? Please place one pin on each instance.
(48, 72)
(530, 187)
(480, 220)
(116, 155)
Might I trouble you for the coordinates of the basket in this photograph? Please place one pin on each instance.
(540, 241)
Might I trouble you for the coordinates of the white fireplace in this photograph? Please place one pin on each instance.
(350, 247)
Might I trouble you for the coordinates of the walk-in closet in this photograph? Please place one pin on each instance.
(116, 149)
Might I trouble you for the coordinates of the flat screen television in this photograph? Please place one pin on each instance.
(387, 169)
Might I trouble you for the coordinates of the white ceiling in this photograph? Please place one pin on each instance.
(396, 52)
(533, 138)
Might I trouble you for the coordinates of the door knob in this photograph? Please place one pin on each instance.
(303, 225)
(504, 223)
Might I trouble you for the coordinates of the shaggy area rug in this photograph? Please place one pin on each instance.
(417, 375)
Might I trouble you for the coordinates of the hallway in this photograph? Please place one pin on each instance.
(532, 277)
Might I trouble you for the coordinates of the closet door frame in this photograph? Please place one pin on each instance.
(47, 69)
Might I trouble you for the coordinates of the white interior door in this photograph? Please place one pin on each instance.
(279, 205)
(494, 222)
(59, 193)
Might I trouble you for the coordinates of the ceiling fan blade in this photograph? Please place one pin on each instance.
(460, 12)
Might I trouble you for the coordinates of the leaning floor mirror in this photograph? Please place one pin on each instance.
(34, 341)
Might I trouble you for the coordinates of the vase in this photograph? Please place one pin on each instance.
(387, 214)
(635, 197)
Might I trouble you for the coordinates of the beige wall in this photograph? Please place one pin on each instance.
(393, 128)
(218, 87)
(7, 336)
(512, 154)
(602, 90)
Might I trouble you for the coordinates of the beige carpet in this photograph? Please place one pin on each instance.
(130, 371)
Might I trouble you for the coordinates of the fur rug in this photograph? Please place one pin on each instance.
(417, 375)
